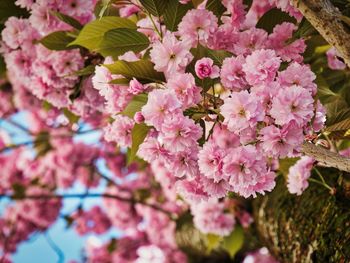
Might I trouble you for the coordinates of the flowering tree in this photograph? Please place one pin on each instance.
(215, 117)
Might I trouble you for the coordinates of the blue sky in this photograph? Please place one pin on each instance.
(38, 248)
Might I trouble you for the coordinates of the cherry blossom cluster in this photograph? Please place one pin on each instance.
(261, 112)
(234, 100)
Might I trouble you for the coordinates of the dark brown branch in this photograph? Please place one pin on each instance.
(326, 18)
(326, 157)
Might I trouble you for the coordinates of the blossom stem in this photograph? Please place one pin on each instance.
(320, 175)
(321, 183)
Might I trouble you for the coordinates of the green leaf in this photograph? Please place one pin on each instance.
(142, 70)
(197, 2)
(324, 93)
(58, 40)
(218, 56)
(216, 7)
(116, 42)
(174, 13)
(121, 82)
(105, 8)
(234, 242)
(70, 116)
(85, 71)
(112, 246)
(138, 135)
(42, 143)
(272, 18)
(92, 33)
(155, 7)
(212, 242)
(68, 20)
(135, 105)
(343, 125)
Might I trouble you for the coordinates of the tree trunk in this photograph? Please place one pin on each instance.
(313, 227)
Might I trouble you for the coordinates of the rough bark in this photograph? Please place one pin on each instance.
(326, 157)
(313, 227)
(327, 20)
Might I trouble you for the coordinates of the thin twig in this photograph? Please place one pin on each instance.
(55, 248)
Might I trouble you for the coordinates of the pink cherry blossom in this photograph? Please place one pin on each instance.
(333, 59)
(205, 68)
(184, 86)
(242, 110)
(298, 175)
(292, 104)
(210, 161)
(261, 66)
(179, 133)
(170, 55)
(119, 131)
(297, 74)
(283, 142)
(135, 87)
(197, 26)
(232, 75)
(160, 104)
(209, 218)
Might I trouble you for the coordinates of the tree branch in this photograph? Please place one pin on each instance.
(326, 18)
(326, 157)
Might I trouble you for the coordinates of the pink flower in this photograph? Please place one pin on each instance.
(224, 138)
(151, 150)
(209, 217)
(210, 161)
(160, 104)
(170, 55)
(135, 87)
(298, 175)
(119, 131)
(93, 220)
(180, 133)
(216, 189)
(236, 9)
(25, 3)
(293, 103)
(191, 190)
(138, 117)
(197, 26)
(150, 253)
(128, 10)
(297, 74)
(184, 86)
(333, 60)
(184, 163)
(261, 66)
(261, 255)
(320, 117)
(249, 41)
(18, 32)
(224, 38)
(232, 75)
(205, 68)
(283, 142)
(241, 111)
(277, 41)
(247, 171)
